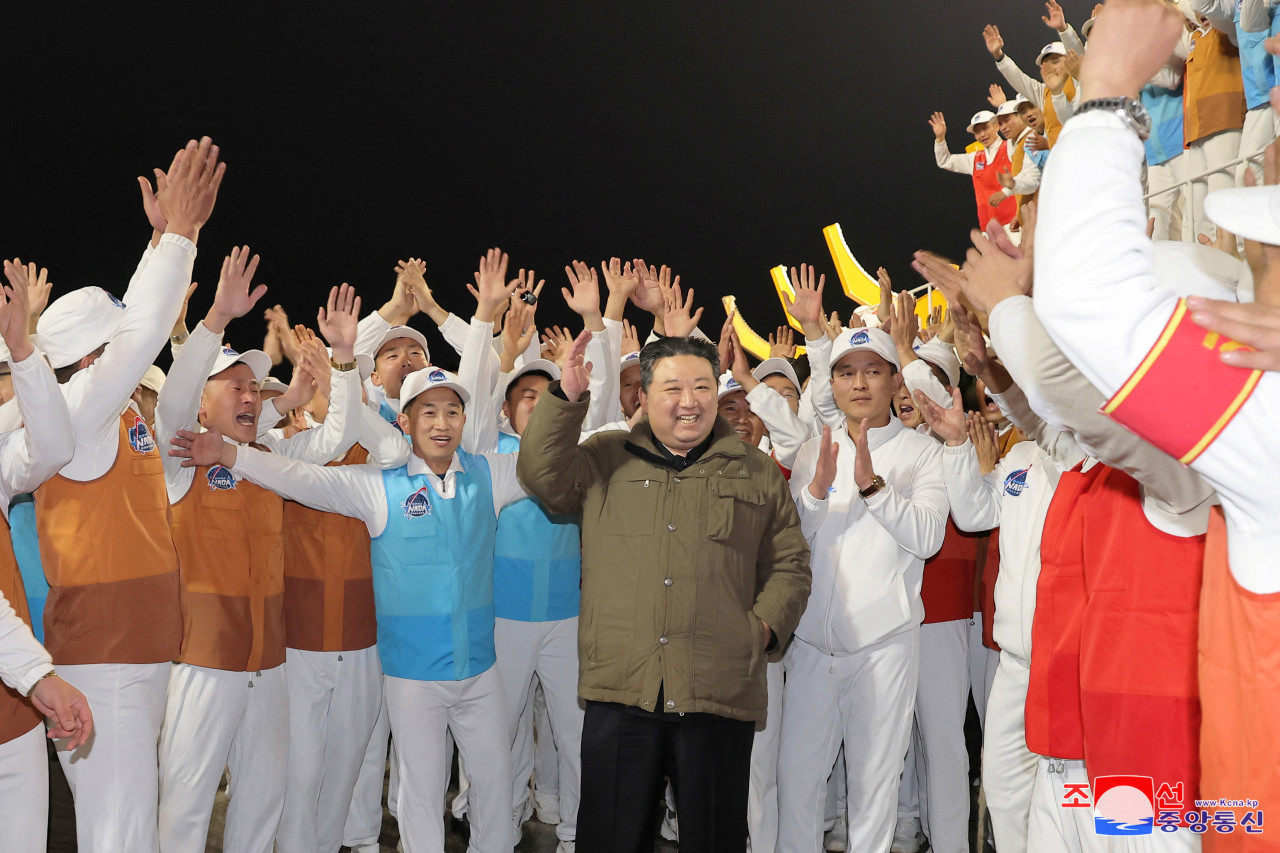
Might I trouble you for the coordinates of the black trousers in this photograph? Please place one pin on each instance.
(625, 754)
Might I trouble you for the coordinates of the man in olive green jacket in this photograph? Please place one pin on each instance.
(694, 572)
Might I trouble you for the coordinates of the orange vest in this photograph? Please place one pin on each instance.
(1213, 97)
(1053, 719)
(110, 561)
(1240, 690)
(947, 590)
(328, 577)
(17, 715)
(1139, 695)
(986, 183)
(230, 541)
(1053, 124)
(1019, 159)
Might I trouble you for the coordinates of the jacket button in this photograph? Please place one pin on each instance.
(702, 470)
(668, 582)
(663, 640)
(671, 527)
(671, 703)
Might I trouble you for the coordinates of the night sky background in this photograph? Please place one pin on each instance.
(716, 137)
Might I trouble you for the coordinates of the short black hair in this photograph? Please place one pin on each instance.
(512, 384)
(669, 347)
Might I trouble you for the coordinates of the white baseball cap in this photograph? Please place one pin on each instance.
(259, 362)
(76, 324)
(1249, 212)
(728, 385)
(1053, 48)
(403, 332)
(980, 117)
(770, 366)
(939, 353)
(1008, 108)
(153, 379)
(1087, 27)
(876, 340)
(533, 366)
(631, 359)
(426, 379)
(270, 383)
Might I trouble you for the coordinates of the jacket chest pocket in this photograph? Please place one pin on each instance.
(735, 505)
(631, 506)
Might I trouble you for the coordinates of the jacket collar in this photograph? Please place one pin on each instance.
(877, 436)
(724, 442)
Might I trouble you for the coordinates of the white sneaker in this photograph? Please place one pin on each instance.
(366, 848)
(907, 837)
(548, 812)
(567, 846)
(670, 829)
(837, 840)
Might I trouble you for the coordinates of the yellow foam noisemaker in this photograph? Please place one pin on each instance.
(751, 342)
(861, 286)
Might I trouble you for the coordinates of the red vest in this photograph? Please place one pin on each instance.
(947, 591)
(1139, 693)
(986, 183)
(1053, 719)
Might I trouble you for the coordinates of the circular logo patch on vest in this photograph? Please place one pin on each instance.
(220, 478)
(140, 437)
(417, 504)
(1016, 483)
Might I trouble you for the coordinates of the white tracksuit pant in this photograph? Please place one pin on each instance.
(24, 793)
(1008, 767)
(762, 795)
(1213, 152)
(942, 700)
(113, 777)
(982, 667)
(220, 719)
(549, 650)
(334, 702)
(866, 699)
(1168, 208)
(546, 757)
(475, 710)
(1259, 132)
(364, 818)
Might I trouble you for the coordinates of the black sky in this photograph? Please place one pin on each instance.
(717, 137)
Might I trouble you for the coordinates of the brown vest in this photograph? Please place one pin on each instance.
(1213, 97)
(328, 577)
(110, 561)
(1053, 124)
(231, 546)
(17, 715)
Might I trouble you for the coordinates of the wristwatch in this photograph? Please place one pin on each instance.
(342, 366)
(1131, 112)
(877, 483)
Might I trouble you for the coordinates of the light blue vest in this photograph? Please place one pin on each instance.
(433, 576)
(537, 566)
(1165, 107)
(389, 415)
(26, 548)
(1257, 67)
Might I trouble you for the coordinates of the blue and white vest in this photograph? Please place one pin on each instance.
(1257, 67)
(433, 575)
(537, 565)
(1165, 107)
(26, 549)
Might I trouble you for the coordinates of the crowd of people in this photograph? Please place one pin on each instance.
(621, 576)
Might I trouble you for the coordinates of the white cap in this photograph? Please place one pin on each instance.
(403, 332)
(426, 379)
(532, 366)
(631, 359)
(728, 385)
(76, 324)
(867, 313)
(940, 354)
(1008, 108)
(364, 363)
(1087, 27)
(153, 379)
(259, 362)
(1053, 48)
(270, 383)
(1249, 212)
(770, 366)
(876, 340)
(980, 117)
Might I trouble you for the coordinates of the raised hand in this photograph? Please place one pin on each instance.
(739, 366)
(490, 291)
(1056, 81)
(824, 472)
(906, 327)
(38, 289)
(630, 338)
(338, 320)
(151, 202)
(996, 95)
(575, 376)
(202, 449)
(971, 348)
(66, 709)
(1073, 61)
(560, 341)
(178, 334)
(191, 189)
(995, 44)
(679, 319)
(863, 470)
(646, 295)
(939, 272)
(938, 123)
(1036, 142)
(806, 305)
(620, 284)
(983, 437)
(782, 344)
(278, 322)
(1129, 43)
(884, 310)
(1054, 19)
(412, 272)
(583, 295)
(313, 363)
(15, 312)
(991, 276)
(947, 424)
(725, 344)
(518, 329)
(233, 297)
